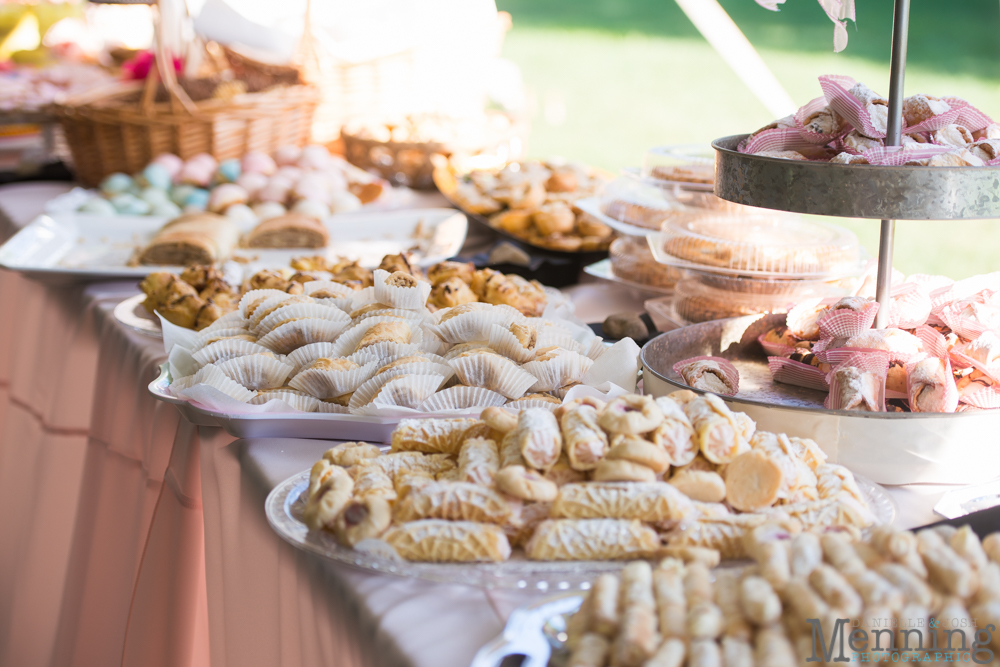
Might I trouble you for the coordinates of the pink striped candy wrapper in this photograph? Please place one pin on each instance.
(966, 327)
(776, 139)
(867, 361)
(847, 323)
(987, 398)
(950, 399)
(775, 349)
(937, 122)
(897, 156)
(969, 116)
(840, 355)
(835, 89)
(934, 343)
(962, 360)
(797, 373)
(727, 367)
(803, 114)
(824, 344)
(911, 306)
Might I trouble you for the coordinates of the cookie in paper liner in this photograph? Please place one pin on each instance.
(229, 348)
(485, 368)
(293, 335)
(256, 371)
(298, 400)
(555, 367)
(329, 378)
(400, 290)
(461, 397)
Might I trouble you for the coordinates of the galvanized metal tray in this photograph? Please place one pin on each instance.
(887, 447)
(855, 190)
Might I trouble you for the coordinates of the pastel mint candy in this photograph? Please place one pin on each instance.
(98, 206)
(154, 196)
(197, 199)
(229, 171)
(157, 176)
(167, 209)
(127, 204)
(180, 194)
(116, 183)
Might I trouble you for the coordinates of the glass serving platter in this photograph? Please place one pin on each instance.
(285, 503)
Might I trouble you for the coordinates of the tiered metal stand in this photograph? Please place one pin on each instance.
(890, 448)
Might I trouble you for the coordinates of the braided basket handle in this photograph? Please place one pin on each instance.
(165, 72)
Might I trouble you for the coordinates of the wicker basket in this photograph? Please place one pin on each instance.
(124, 128)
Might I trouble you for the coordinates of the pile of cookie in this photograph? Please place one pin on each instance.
(322, 345)
(940, 352)
(924, 597)
(848, 126)
(533, 201)
(202, 294)
(634, 477)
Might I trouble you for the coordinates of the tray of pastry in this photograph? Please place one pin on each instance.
(94, 247)
(533, 204)
(888, 447)
(677, 613)
(545, 499)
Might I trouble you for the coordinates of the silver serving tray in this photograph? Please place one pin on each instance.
(855, 190)
(888, 447)
(536, 631)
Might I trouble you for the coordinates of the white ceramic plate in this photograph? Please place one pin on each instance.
(97, 247)
(132, 314)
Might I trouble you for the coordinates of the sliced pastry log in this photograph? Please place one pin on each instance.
(199, 238)
(293, 230)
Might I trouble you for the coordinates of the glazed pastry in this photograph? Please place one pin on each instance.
(591, 539)
(371, 480)
(431, 435)
(718, 433)
(858, 390)
(451, 292)
(399, 263)
(918, 108)
(363, 519)
(781, 336)
(292, 230)
(437, 541)
(351, 453)
(539, 437)
(725, 534)
(583, 440)
(655, 501)
(333, 492)
(454, 501)
(478, 461)
(932, 387)
(630, 415)
(396, 331)
(519, 482)
(707, 375)
(443, 271)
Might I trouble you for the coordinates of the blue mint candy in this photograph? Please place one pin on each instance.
(98, 206)
(229, 171)
(156, 176)
(180, 194)
(127, 204)
(116, 183)
(154, 196)
(198, 198)
(167, 209)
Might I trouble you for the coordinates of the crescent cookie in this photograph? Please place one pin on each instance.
(526, 484)
(630, 415)
(351, 453)
(334, 492)
(431, 435)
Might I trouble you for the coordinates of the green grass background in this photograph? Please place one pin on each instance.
(607, 79)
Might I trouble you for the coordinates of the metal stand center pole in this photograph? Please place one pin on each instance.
(893, 137)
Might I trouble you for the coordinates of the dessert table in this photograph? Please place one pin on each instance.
(131, 536)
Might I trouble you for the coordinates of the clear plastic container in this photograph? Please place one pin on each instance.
(690, 164)
(695, 302)
(760, 243)
(632, 260)
(638, 204)
(797, 288)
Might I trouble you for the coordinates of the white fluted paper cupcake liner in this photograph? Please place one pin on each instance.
(221, 334)
(400, 297)
(507, 344)
(596, 348)
(293, 335)
(329, 383)
(256, 371)
(332, 408)
(363, 297)
(327, 286)
(462, 348)
(495, 372)
(564, 369)
(212, 376)
(256, 297)
(381, 351)
(227, 349)
(528, 403)
(348, 342)
(399, 390)
(473, 324)
(296, 399)
(272, 304)
(231, 320)
(305, 355)
(299, 311)
(461, 397)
